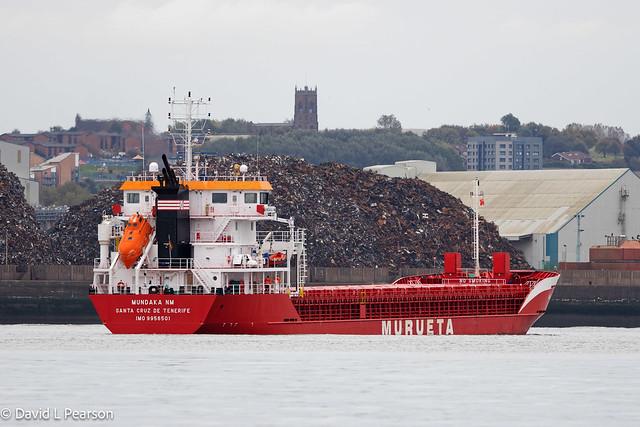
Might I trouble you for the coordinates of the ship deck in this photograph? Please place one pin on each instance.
(418, 296)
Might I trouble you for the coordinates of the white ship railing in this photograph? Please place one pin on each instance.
(154, 177)
(473, 281)
(175, 263)
(199, 289)
(280, 236)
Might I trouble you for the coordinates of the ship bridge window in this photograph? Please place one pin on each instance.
(219, 198)
(264, 198)
(133, 197)
(251, 197)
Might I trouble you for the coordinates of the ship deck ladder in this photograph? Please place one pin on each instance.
(197, 272)
(220, 228)
(302, 272)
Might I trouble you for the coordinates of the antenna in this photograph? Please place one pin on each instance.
(188, 126)
(476, 194)
(258, 153)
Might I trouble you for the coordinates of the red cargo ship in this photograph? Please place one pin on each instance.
(200, 265)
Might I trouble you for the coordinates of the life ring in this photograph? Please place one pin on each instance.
(120, 284)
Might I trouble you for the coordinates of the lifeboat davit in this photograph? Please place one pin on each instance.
(134, 239)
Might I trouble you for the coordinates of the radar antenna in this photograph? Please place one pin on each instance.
(189, 117)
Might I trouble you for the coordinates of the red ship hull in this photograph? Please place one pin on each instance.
(281, 314)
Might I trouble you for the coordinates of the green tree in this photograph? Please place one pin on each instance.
(609, 145)
(510, 123)
(456, 135)
(389, 122)
(558, 143)
(615, 147)
(69, 194)
(358, 148)
(602, 148)
(582, 133)
(632, 153)
(537, 129)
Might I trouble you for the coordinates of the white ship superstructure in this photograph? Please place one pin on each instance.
(201, 233)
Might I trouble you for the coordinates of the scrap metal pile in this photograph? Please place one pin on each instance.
(75, 234)
(25, 242)
(352, 217)
(357, 218)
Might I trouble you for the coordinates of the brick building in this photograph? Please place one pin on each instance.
(573, 157)
(58, 170)
(89, 138)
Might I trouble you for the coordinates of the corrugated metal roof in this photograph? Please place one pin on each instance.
(527, 202)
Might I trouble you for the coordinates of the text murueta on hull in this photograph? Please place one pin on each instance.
(437, 326)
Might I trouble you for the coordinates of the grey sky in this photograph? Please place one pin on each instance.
(428, 62)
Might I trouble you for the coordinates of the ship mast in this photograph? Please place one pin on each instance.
(476, 194)
(189, 124)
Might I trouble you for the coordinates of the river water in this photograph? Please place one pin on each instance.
(570, 376)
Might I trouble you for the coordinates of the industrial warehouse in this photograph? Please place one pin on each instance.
(552, 216)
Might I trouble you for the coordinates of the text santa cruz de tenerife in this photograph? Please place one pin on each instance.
(153, 310)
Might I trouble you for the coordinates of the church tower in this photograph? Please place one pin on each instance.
(305, 115)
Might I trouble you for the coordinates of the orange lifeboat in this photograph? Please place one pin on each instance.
(134, 239)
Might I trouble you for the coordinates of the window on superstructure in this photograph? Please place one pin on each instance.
(264, 198)
(250, 197)
(219, 198)
(133, 197)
